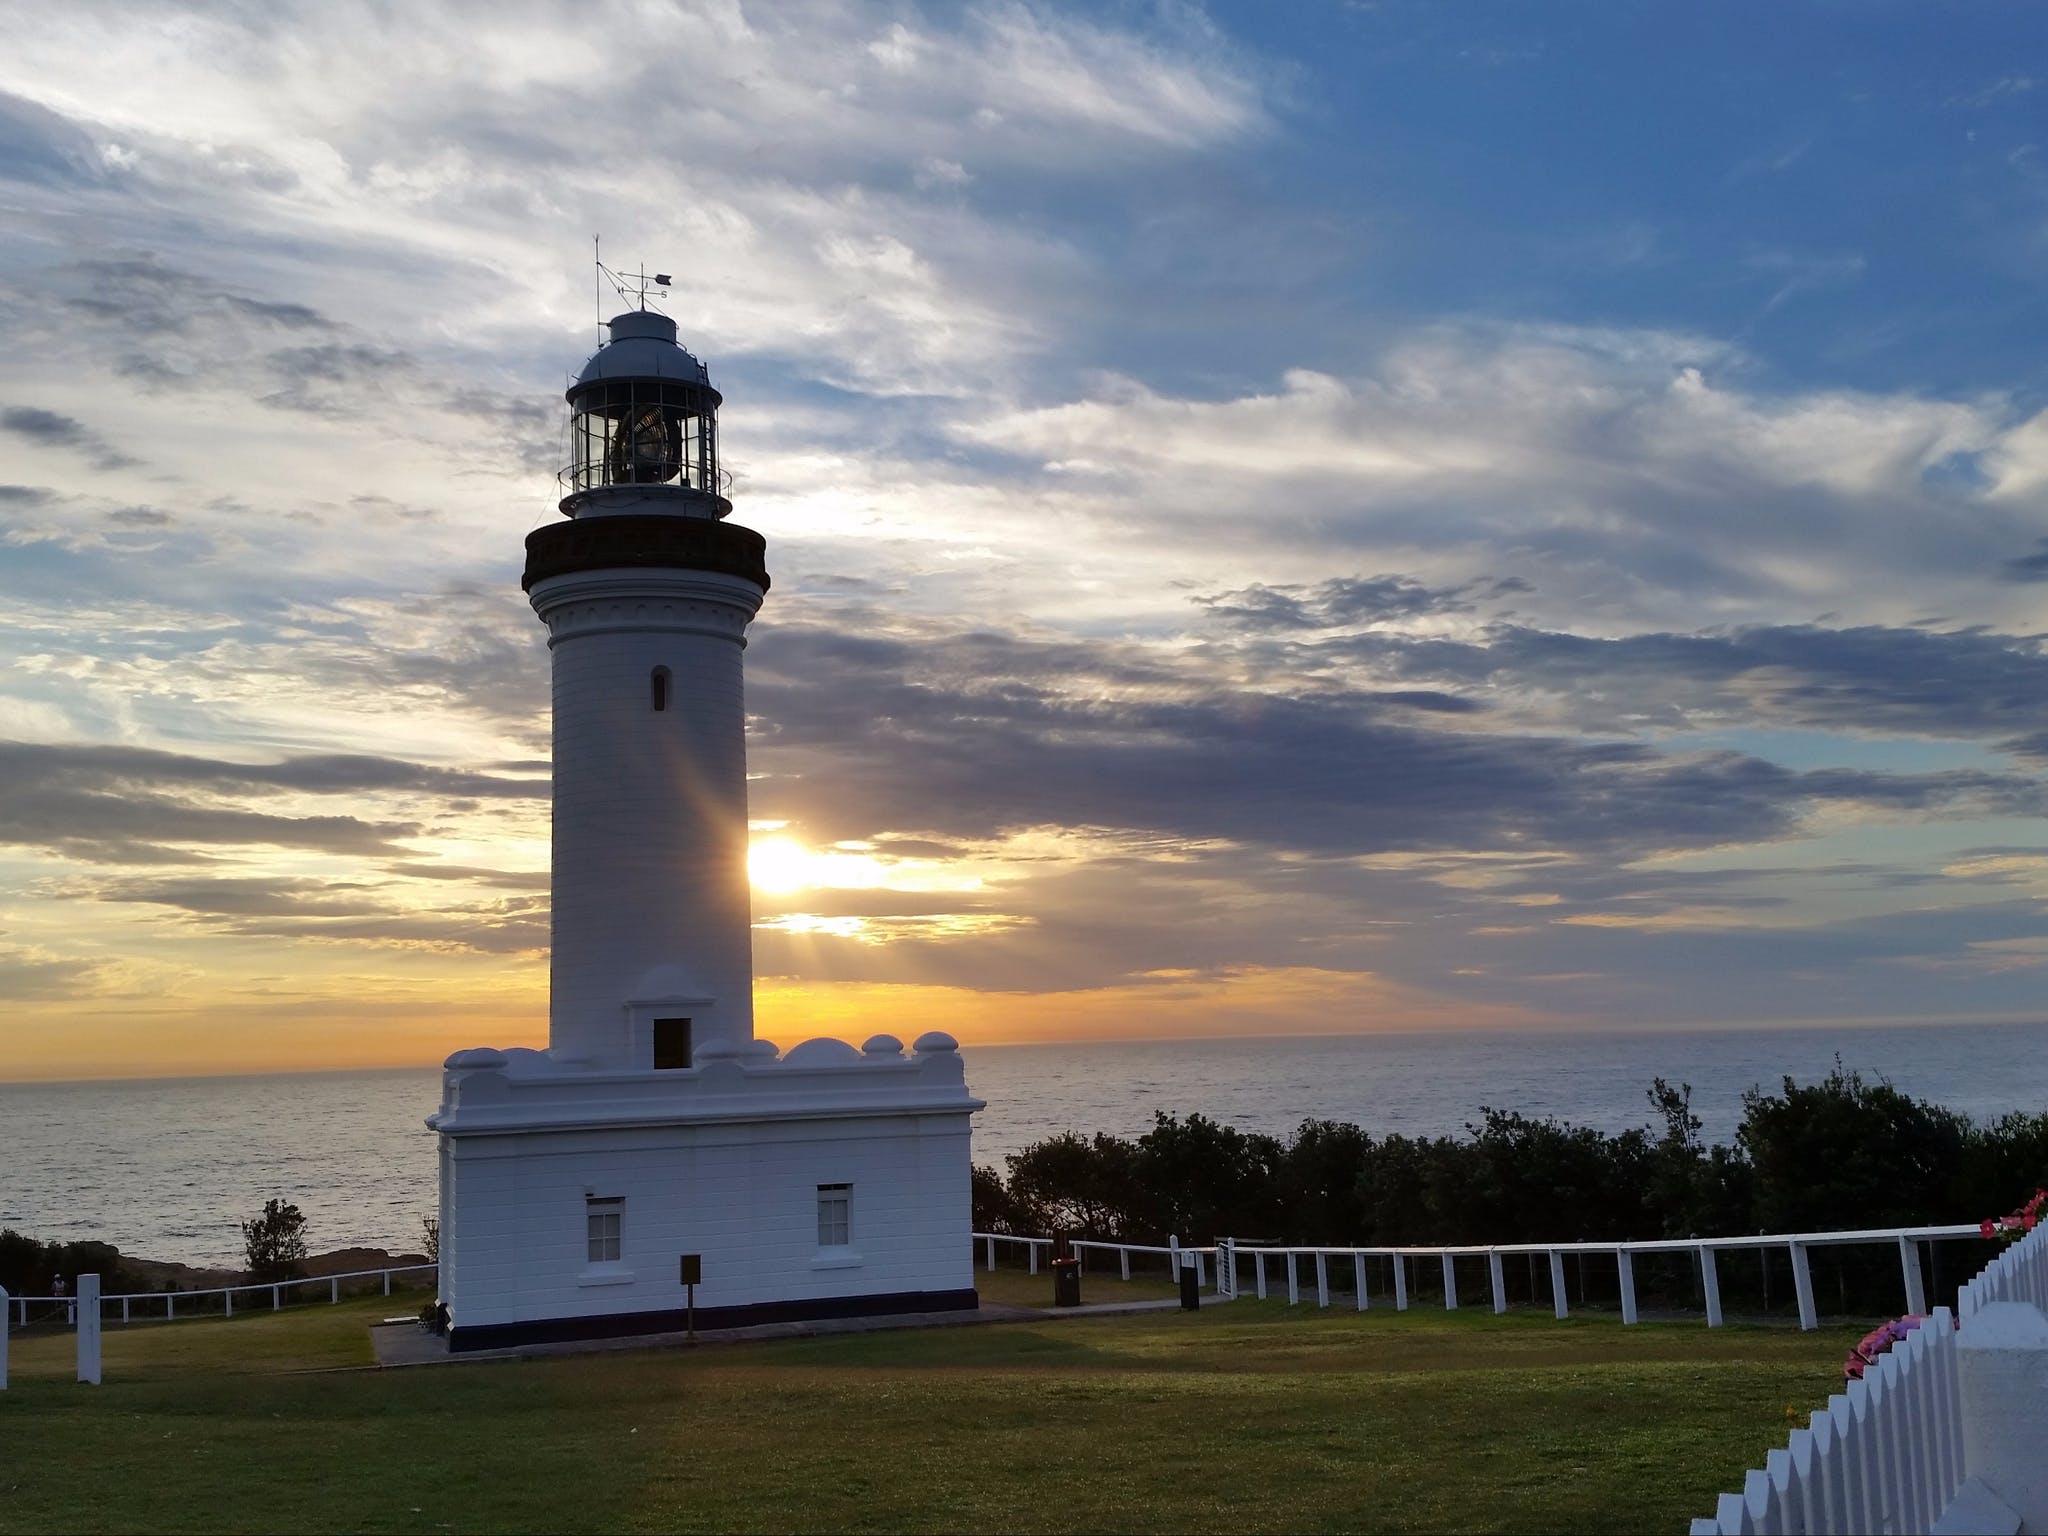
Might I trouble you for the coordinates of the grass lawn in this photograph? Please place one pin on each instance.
(1252, 1416)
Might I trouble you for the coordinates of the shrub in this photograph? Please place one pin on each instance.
(275, 1242)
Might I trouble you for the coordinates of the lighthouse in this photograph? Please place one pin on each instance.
(658, 1163)
(646, 592)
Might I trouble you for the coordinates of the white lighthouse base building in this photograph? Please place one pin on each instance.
(824, 1182)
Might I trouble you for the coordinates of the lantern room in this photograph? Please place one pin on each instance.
(643, 427)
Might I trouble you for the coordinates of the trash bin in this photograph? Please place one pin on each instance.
(1066, 1282)
(1190, 1284)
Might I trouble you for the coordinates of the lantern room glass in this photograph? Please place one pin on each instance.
(643, 432)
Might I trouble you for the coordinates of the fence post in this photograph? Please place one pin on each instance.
(1450, 1282)
(228, 1301)
(1358, 1277)
(1173, 1256)
(1125, 1255)
(2002, 1376)
(334, 1289)
(387, 1282)
(1559, 1304)
(1259, 1268)
(1625, 1265)
(1710, 1286)
(124, 1309)
(1916, 1289)
(3, 1338)
(170, 1308)
(1500, 1283)
(1322, 1278)
(1802, 1286)
(89, 1329)
(1293, 1281)
(276, 1297)
(1201, 1267)
(1400, 1283)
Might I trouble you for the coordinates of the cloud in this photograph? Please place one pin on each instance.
(122, 805)
(1632, 471)
(50, 429)
(968, 735)
(347, 912)
(35, 975)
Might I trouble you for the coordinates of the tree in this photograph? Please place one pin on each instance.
(275, 1242)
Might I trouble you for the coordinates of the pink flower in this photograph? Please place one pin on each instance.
(1984, 1227)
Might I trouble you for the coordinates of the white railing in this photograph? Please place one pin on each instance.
(1891, 1452)
(1081, 1246)
(134, 1306)
(1703, 1250)
(1031, 1247)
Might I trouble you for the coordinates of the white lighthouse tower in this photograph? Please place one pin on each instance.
(646, 594)
(656, 1139)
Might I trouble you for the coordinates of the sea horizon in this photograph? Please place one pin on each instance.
(172, 1164)
(1450, 1033)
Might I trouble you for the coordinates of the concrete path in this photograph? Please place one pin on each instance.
(402, 1343)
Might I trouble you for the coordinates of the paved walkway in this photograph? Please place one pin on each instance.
(409, 1343)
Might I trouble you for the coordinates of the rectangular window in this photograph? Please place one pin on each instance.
(602, 1216)
(671, 1044)
(835, 1215)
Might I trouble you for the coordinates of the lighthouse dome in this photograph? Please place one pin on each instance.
(643, 346)
(643, 427)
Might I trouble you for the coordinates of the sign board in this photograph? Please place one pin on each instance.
(693, 1269)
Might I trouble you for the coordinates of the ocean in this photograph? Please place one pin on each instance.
(165, 1168)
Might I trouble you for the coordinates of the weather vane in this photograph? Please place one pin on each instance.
(634, 288)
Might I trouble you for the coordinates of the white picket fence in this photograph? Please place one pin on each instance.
(1887, 1454)
(2018, 1274)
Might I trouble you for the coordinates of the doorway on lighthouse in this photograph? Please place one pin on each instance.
(671, 1044)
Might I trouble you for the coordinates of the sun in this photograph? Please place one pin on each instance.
(779, 866)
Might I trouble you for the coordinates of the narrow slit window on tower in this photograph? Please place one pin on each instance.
(658, 688)
(671, 1044)
(602, 1217)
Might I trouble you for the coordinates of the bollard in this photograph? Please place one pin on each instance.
(89, 1329)
(1190, 1285)
(2002, 1380)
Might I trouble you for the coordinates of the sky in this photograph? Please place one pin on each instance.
(1284, 518)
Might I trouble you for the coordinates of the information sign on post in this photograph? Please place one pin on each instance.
(692, 1277)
